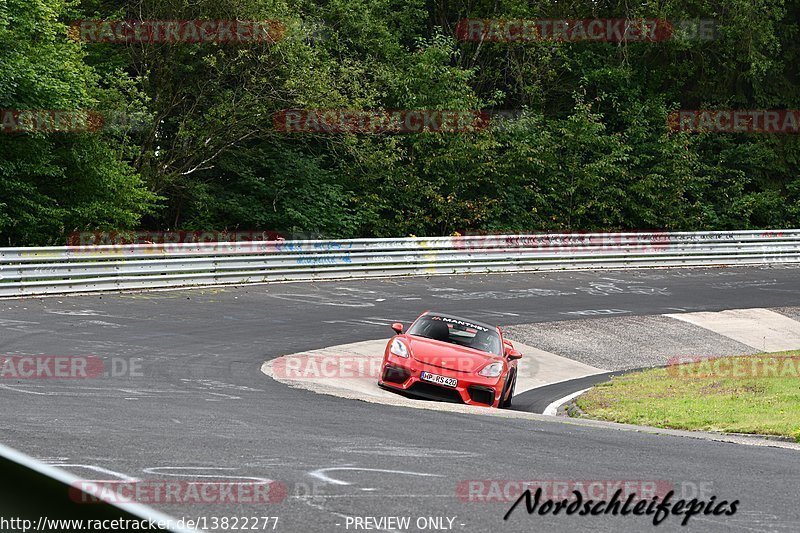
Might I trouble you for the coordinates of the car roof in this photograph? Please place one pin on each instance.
(454, 317)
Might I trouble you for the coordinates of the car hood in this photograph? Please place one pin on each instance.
(445, 355)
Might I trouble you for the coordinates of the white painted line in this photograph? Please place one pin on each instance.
(322, 475)
(119, 475)
(552, 409)
(761, 329)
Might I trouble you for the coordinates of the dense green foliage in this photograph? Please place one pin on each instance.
(190, 142)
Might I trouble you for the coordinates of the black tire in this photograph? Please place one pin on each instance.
(505, 404)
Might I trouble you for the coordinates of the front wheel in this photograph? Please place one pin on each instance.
(506, 403)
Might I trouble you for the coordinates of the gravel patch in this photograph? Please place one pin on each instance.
(791, 312)
(619, 343)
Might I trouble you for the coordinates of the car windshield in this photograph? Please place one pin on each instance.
(456, 331)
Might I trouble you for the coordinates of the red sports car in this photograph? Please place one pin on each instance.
(445, 357)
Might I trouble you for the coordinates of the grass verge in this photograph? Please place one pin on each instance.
(758, 394)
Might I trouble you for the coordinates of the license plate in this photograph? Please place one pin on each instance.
(439, 380)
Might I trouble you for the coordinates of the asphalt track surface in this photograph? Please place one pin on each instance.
(200, 406)
(538, 399)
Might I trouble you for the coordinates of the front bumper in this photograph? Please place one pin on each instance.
(403, 375)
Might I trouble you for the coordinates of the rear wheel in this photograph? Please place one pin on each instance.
(508, 389)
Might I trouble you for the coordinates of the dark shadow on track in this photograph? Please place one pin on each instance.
(536, 400)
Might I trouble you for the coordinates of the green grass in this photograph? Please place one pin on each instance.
(702, 396)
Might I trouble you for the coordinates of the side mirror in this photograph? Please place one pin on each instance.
(513, 354)
(397, 327)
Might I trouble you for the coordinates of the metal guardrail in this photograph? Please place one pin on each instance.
(41, 497)
(66, 269)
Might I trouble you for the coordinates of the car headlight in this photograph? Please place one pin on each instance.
(398, 348)
(492, 370)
